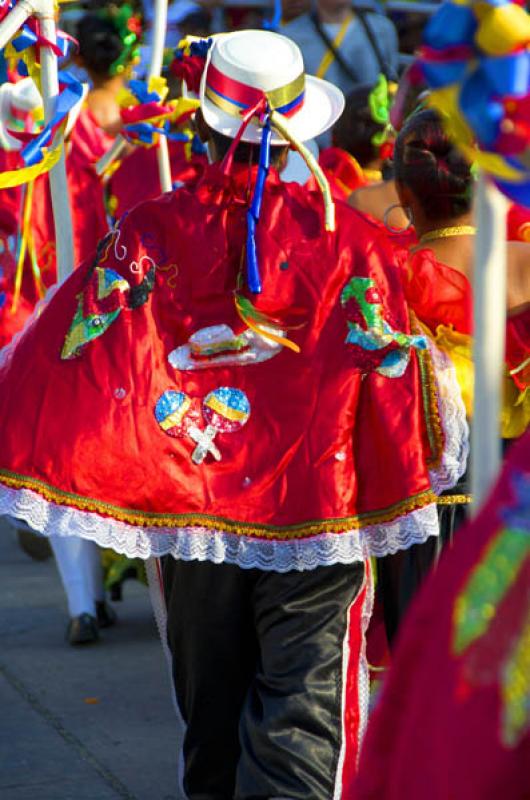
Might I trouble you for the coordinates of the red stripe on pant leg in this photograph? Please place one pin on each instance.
(352, 711)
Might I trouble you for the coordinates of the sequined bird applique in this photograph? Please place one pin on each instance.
(100, 304)
(379, 346)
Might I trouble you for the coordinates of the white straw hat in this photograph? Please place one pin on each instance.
(244, 65)
(17, 102)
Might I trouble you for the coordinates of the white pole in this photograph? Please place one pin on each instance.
(157, 56)
(114, 152)
(15, 19)
(489, 291)
(58, 183)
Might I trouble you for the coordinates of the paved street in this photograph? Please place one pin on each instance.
(92, 723)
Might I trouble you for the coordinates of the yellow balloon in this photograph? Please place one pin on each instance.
(501, 29)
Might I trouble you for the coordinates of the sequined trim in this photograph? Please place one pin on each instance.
(454, 499)
(146, 518)
(431, 408)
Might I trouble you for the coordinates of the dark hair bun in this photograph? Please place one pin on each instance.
(428, 163)
(100, 44)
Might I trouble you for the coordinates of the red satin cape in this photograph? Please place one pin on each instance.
(323, 449)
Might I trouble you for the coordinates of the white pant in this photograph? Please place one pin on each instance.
(79, 565)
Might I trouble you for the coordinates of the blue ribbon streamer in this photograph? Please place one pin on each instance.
(145, 132)
(25, 39)
(274, 23)
(143, 95)
(70, 94)
(197, 146)
(253, 213)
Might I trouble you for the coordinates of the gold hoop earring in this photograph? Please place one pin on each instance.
(390, 228)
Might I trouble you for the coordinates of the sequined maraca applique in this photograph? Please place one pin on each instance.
(225, 410)
(171, 412)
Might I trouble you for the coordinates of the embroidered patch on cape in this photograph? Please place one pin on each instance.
(224, 410)
(218, 345)
(100, 304)
(378, 346)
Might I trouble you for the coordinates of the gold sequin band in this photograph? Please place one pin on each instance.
(454, 499)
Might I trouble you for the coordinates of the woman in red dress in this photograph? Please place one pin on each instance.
(435, 185)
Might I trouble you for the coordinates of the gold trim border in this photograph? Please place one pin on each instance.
(261, 531)
(454, 499)
(431, 410)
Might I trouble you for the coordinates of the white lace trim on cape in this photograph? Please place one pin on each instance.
(204, 544)
(454, 423)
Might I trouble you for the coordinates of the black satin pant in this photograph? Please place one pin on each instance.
(399, 576)
(257, 667)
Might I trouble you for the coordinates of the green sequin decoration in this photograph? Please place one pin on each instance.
(476, 605)
(516, 689)
(86, 329)
(378, 333)
(356, 289)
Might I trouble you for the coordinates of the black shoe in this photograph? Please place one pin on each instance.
(106, 616)
(82, 630)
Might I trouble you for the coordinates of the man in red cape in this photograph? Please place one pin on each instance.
(232, 381)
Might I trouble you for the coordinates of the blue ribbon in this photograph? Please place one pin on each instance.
(482, 113)
(197, 146)
(25, 39)
(143, 95)
(70, 94)
(253, 213)
(4, 77)
(145, 131)
(516, 515)
(28, 38)
(517, 192)
(274, 23)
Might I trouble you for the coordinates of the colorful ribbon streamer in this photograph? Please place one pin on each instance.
(476, 60)
(189, 61)
(16, 177)
(274, 24)
(146, 117)
(253, 213)
(71, 92)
